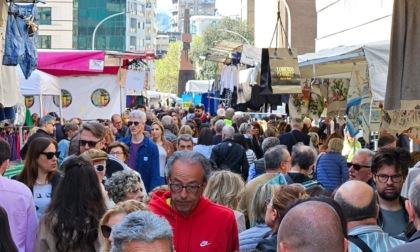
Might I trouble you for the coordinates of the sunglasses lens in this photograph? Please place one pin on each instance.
(90, 143)
(50, 155)
(106, 231)
(135, 123)
(100, 168)
(349, 165)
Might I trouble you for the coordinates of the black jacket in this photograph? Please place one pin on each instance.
(231, 155)
(293, 137)
(38, 133)
(269, 244)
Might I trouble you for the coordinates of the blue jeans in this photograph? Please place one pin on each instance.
(20, 48)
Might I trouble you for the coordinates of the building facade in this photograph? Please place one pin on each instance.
(196, 7)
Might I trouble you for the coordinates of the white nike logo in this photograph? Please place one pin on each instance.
(204, 243)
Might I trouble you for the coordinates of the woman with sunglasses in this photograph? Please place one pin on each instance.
(114, 216)
(71, 220)
(40, 171)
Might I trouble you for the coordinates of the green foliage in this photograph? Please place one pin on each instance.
(167, 69)
(211, 35)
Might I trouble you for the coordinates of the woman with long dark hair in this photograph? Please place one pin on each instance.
(6, 241)
(71, 221)
(40, 171)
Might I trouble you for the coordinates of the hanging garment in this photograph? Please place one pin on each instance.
(208, 102)
(21, 38)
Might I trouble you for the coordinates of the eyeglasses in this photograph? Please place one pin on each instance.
(267, 202)
(91, 144)
(52, 124)
(117, 153)
(357, 167)
(118, 122)
(106, 231)
(394, 178)
(50, 155)
(190, 188)
(131, 123)
(99, 167)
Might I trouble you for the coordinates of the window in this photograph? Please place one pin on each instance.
(44, 15)
(44, 42)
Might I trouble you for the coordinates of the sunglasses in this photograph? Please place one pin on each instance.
(131, 123)
(91, 144)
(357, 167)
(106, 231)
(50, 155)
(99, 167)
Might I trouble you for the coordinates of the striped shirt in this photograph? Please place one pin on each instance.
(374, 237)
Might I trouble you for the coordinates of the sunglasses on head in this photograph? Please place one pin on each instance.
(131, 123)
(106, 231)
(50, 155)
(99, 167)
(91, 144)
(357, 167)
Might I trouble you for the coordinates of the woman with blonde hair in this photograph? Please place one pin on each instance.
(331, 167)
(113, 216)
(226, 188)
(276, 209)
(166, 148)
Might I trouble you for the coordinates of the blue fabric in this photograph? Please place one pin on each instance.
(252, 173)
(20, 48)
(374, 237)
(63, 148)
(249, 238)
(331, 170)
(147, 162)
(7, 113)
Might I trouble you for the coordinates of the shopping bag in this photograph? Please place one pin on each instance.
(284, 69)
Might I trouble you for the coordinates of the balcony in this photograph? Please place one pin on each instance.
(148, 38)
(148, 22)
(148, 6)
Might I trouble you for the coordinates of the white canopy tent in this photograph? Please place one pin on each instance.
(40, 84)
(339, 61)
(199, 86)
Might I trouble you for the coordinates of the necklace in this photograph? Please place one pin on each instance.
(41, 183)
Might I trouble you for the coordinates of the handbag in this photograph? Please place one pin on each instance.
(284, 70)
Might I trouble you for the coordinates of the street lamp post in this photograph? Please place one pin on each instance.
(237, 34)
(97, 26)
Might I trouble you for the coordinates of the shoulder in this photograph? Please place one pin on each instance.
(14, 188)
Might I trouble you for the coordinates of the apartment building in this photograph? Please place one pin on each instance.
(196, 7)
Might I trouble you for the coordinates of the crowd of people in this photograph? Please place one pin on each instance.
(171, 179)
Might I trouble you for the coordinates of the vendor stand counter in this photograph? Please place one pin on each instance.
(13, 169)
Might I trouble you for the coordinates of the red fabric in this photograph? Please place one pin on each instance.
(210, 227)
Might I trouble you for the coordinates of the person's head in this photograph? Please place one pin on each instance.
(187, 176)
(77, 121)
(205, 137)
(47, 123)
(117, 121)
(229, 113)
(114, 216)
(303, 157)
(109, 137)
(387, 140)
(6, 240)
(220, 112)
(228, 132)
(245, 128)
(359, 168)
(218, 126)
(415, 158)
(335, 145)
(296, 123)
(92, 136)
(269, 142)
(76, 207)
(186, 129)
(324, 235)
(142, 231)
(358, 201)
(314, 138)
(118, 150)
(240, 139)
(277, 205)
(136, 122)
(257, 130)
(185, 142)
(167, 122)
(271, 132)
(5, 154)
(177, 119)
(225, 188)
(191, 109)
(327, 141)
(307, 121)
(259, 205)
(199, 110)
(277, 159)
(124, 185)
(98, 159)
(413, 203)
(35, 118)
(41, 158)
(157, 131)
(70, 129)
(390, 168)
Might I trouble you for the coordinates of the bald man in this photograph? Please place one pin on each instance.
(358, 202)
(322, 229)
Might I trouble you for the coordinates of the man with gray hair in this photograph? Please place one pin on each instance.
(258, 167)
(46, 130)
(185, 142)
(413, 208)
(198, 224)
(142, 231)
(359, 168)
(229, 155)
(144, 153)
(295, 135)
(218, 127)
(359, 204)
(168, 123)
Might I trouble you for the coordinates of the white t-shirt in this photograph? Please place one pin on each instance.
(42, 198)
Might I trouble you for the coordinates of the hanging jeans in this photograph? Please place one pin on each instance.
(20, 47)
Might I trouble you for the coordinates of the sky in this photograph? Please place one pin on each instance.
(225, 7)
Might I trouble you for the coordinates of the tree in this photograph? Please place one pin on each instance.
(167, 69)
(212, 34)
